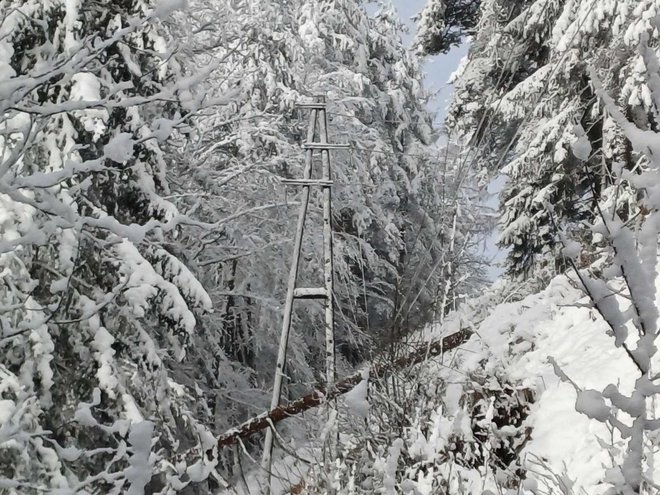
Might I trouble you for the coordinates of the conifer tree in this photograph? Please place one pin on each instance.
(146, 232)
(96, 310)
(524, 102)
(445, 23)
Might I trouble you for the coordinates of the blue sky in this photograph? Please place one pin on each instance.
(437, 70)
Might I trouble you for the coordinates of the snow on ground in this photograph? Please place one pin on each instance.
(522, 338)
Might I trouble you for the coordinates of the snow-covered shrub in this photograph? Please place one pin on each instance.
(497, 433)
(426, 434)
(631, 270)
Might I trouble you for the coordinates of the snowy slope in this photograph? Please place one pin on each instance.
(520, 339)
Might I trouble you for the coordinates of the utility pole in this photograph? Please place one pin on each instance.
(317, 122)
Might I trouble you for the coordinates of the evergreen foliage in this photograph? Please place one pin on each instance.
(525, 103)
(96, 312)
(394, 210)
(444, 24)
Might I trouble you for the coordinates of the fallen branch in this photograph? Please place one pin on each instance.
(319, 397)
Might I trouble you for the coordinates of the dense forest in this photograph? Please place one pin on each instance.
(155, 164)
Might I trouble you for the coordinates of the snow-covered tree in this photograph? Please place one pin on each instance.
(146, 232)
(627, 224)
(444, 24)
(96, 308)
(562, 98)
(525, 103)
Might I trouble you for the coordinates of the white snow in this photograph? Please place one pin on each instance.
(581, 146)
(139, 472)
(389, 478)
(164, 8)
(71, 44)
(558, 324)
(102, 342)
(6, 52)
(131, 410)
(119, 148)
(356, 399)
(6, 410)
(144, 284)
(591, 404)
(87, 88)
(83, 414)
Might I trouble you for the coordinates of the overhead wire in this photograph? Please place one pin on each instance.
(466, 164)
(463, 171)
(528, 115)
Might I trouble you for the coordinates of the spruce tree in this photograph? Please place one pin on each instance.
(443, 24)
(97, 312)
(524, 102)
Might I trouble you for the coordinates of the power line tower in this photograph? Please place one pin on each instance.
(318, 124)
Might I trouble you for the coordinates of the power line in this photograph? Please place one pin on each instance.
(464, 167)
(387, 121)
(392, 153)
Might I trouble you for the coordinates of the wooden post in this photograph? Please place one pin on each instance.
(328, 279)
(291, 287)
(328, 268)
(317, 115)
